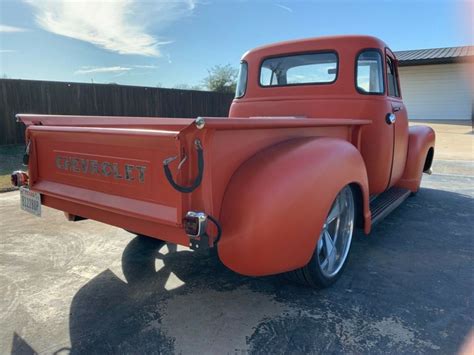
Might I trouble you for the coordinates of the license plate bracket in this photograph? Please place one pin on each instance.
(30, 201)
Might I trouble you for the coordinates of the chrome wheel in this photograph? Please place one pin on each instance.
(336, 236)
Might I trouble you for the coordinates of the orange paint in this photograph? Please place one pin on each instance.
(272, 169)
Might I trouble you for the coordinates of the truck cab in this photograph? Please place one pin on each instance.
(337, 77)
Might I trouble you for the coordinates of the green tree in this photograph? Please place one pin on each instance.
(221, 78)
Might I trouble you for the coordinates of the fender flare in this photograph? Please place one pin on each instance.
(276, 203)
(420, 140)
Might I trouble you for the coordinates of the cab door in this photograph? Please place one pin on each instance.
(396, 117)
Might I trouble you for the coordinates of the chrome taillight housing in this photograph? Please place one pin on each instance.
(195, 224)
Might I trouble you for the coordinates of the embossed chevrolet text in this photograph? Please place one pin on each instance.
(128, 172)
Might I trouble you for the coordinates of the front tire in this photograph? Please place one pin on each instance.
(334, 243)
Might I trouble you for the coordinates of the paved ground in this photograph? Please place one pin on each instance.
(454, 147)
(89, 288)
(453, 139)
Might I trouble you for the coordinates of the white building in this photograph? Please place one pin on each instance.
(438, 84)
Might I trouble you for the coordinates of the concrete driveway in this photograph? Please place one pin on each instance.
(86, 287)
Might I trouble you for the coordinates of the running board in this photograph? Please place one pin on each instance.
(386, 202)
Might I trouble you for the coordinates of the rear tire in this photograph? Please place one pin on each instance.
(332, 250)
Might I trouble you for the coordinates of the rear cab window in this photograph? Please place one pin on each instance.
(299, 69)
(369, 72)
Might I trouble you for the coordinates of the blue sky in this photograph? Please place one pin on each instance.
(174, 42)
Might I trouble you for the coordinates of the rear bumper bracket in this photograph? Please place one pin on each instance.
(198, 243)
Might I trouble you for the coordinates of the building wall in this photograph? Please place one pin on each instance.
(441, 91)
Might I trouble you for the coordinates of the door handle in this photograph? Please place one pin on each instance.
(396, 108)
(390, 118)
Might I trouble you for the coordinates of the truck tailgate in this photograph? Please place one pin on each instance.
(114, 169)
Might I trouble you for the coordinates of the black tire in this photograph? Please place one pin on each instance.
(312, 274)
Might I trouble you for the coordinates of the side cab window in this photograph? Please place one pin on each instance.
(393, 85)
(241, 86)
(369, 72)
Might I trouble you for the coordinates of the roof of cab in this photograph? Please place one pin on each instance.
(315, 44)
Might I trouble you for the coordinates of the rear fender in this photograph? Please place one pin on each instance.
(277, 201)
(421, 140)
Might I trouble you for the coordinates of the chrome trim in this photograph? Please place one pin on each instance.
(390, 118)
(202, 220)
(336, 236)
(200, 123)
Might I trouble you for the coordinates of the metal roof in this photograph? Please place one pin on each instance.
(435, 55)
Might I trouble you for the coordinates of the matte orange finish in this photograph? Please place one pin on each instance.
(421, 140)
(336, 100)
(272, 169)
(400, 132)
(147, 148)
(153, 207)
(277, 201)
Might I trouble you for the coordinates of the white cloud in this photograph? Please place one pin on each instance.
(11, 29)
(96, 70)
(7, 51)
(118, 26)
(150, 66)
(191, 4)
(116, 69)
(286, 8)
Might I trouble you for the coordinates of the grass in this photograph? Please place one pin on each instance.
(5, 184)
(11, 158)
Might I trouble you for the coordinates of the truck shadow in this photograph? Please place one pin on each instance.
(180, 301)
(114, 315)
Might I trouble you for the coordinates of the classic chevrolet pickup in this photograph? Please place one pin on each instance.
(316, 144)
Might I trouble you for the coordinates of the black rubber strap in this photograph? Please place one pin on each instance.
(218, 226)
(197, 180)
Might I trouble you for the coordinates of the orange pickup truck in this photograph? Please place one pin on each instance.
(316, 144)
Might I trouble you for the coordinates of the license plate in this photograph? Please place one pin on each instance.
(30, 201)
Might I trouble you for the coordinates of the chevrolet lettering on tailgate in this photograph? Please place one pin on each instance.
(128, 172)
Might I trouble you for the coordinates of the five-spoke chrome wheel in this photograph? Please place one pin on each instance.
(334, 243)
(336, 236)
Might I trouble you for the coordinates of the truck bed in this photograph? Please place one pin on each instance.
(110, 169)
